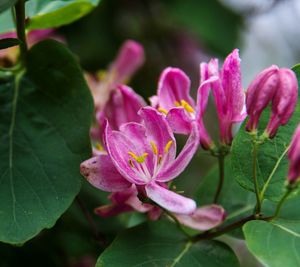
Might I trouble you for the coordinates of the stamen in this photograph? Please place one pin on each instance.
(167, 147)
(138, 159)
(177, 104)
(162, 110)
(154, 147)
(99, 147)
(187, 106)
(159, 159)
(131, 163)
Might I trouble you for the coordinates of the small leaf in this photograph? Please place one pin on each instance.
(275, 243)
(162, 244)
(44, 135)
(9, 42)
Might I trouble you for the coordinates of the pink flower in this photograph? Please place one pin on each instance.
(228, 94)
(122, 106)
(174, 100)
(144, 155)
(275, 85)
(294, 157)
(129, 59)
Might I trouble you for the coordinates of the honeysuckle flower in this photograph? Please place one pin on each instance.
(294, 157)
(229, 96)
(174, 100)
(129, 59)
(275, 85)
(122, 106)
(143, 154)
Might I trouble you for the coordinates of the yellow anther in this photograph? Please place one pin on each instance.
(159, 159)
(154, 147)
(187, 106)
(138, 159)
(99, 147)
(177, 104)
(101, 75)
(167, 147)
(131, 163)
(162, 110)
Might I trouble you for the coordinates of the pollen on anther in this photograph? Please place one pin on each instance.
(154, 147)
(167, 147)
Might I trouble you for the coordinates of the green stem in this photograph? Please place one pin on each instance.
(222, 230)
(179, 225)
(263, 191)
(282, 200)
(20, 25)
(221, 158)
(254, 171)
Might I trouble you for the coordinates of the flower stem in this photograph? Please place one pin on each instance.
(221, 158)
(222, 230)
(255, 181)
(282, 200)
(20, 25)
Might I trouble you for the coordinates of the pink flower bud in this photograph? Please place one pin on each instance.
(284, 101)
(294, 157)
(129, 59)
(275, 85)
(259, 94)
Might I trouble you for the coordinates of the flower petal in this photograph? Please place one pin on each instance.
(180, 163)
(118, 145)
(112, 210)
(159, 132)
(179, 120)
(173, 86)
(123, 106)
(204, 218)
(170, 200)
(101, 173)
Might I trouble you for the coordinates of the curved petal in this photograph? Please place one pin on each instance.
(183, 159)
(174, 86)
(204, 218)
(118, 145)
(170, 200)
(101, 173)
(179, 120)
(159, 132)
(123, 106)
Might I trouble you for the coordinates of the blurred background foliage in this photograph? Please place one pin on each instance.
(173, 33)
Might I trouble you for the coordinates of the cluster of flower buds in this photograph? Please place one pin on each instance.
(139, 157)
(278, 87)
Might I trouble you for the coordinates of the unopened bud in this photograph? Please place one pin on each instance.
(294, 157)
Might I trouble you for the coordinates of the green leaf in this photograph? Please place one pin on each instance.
(5, 4)
(48, 14)
(237, 201)
(8, 42)
(161, 244)
(44, 135)
(275, 243)
(272, 163)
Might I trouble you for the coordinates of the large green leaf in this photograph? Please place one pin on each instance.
(275, 244)
(49, 14)
(272, 162)
(5, 4)
(162, 244)
(44, 135)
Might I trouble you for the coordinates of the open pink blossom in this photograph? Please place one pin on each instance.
(143, 154)
(294, 157)
(276, 86)
(173, 98)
